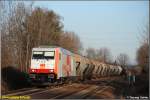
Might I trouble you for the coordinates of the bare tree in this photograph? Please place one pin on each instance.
(143, 51)
(6, 11)
(70, 41)
(42, 27)
(143, 55)
(91, 53)
(145, 35)
(123, 59)
(104, 55)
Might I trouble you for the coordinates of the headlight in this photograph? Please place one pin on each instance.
(51, 70)
(33, 70)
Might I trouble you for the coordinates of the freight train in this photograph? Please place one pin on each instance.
(56, 64)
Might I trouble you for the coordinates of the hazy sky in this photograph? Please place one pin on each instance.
(112, 24)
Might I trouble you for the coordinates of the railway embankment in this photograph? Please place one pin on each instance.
(139, 89)
(13, 79)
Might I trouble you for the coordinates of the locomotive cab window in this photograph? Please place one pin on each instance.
(49, 55)
(43, 55)
(37, 55)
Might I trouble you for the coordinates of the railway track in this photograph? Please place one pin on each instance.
(95, 87)
(67, 93)
(26, 91)
(98, 93)
(88, 89)
(18, 90)
(85, 93)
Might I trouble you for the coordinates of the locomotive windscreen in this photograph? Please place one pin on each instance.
(43, 55)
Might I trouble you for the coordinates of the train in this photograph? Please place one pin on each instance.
(56, 64)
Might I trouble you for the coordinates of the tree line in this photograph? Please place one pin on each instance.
(23, 28)
(104, 55)
(143, 50)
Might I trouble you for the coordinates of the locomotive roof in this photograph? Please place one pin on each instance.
(47, 48)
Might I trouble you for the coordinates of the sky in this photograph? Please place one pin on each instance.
(116, 25)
